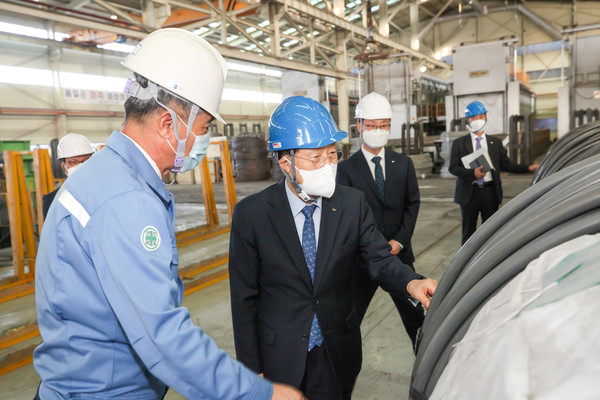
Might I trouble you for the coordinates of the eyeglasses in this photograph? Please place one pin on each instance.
(321, 160)
(369, 126)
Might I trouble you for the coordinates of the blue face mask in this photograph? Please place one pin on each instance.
(197, 152)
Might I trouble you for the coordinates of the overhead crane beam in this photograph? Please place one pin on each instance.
(338, 22)
(56, 17)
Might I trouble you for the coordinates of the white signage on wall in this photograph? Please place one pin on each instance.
(94, 96)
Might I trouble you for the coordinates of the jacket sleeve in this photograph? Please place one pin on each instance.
(244, 268)
(384, 268)
(509, 166)
(143, 289)
(456, 166)
(412, 203)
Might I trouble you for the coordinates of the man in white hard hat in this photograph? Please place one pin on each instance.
(73, 150)
(389, 182)
(108, 292)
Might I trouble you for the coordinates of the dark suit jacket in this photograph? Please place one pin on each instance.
(273, 298)
(464, 184)
(47, 200)
(396, 215)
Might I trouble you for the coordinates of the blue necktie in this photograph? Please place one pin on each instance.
(379, 180)
(309, 247)
(477, 147)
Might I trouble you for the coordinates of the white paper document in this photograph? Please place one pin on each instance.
(470, 158)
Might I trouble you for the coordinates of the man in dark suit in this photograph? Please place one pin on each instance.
(72, 150)
(291, 256)
(389, 183)
(479, 192)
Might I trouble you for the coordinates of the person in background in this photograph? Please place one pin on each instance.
(389, 183)
(72, 150)
(479, 192)
(291, 258)
(108, 293)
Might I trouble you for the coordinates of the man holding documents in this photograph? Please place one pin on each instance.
(477, 159)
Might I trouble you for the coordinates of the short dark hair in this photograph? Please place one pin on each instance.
(279, 154)
(137, 109)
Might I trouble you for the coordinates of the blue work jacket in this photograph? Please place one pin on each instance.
(108, 293)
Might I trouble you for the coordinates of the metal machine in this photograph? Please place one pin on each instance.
(579, 98)
(487, 72)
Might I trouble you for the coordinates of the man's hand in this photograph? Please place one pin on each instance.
(533, 167)
(422, 290)
(285, 392)
(396, 247)
(478, 173)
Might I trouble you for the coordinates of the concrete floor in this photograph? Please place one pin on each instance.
(387, 354)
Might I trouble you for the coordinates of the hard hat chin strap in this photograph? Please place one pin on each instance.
(292, 179)
(133, 88)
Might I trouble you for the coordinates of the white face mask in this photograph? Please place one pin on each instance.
(197, 153)
(72, 170)
(477, 125)
(376, 138)
(318, 182)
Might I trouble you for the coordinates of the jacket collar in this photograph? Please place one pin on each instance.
(282, 220)
(363, 168)
(133, 157)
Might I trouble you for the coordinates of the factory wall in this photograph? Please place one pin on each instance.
(42, 102)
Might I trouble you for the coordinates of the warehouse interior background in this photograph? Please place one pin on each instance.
(534, 64)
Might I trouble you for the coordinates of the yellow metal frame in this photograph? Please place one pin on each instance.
(212, 226)
(230, 196)
(21, 216)
(44, 181)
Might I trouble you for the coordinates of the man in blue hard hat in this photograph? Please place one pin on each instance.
(479, 192)
(291, 259)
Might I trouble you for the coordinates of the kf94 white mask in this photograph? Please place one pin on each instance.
(477, 125)
(319, 182)
(376, 138)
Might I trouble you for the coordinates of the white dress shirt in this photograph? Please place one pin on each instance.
(297, 205)
(488, 175)
(146, 155)
(371, 164)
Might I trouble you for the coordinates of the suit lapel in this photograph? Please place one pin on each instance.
(468, 144)
(390, 171)
(330, 219)
(492, 145)
(283, 221)
(363, 168)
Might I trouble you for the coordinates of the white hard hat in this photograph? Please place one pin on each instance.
(373, 106)
(73, 145)
(184, 64)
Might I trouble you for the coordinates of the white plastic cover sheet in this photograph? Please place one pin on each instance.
(523, 346)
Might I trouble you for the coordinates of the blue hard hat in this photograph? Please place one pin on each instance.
(475, 108)
(302, 123)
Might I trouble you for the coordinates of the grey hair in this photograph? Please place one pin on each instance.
(137, 109)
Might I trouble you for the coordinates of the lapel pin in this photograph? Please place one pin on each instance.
(491, 142)
(333, 209)
(393, 161)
